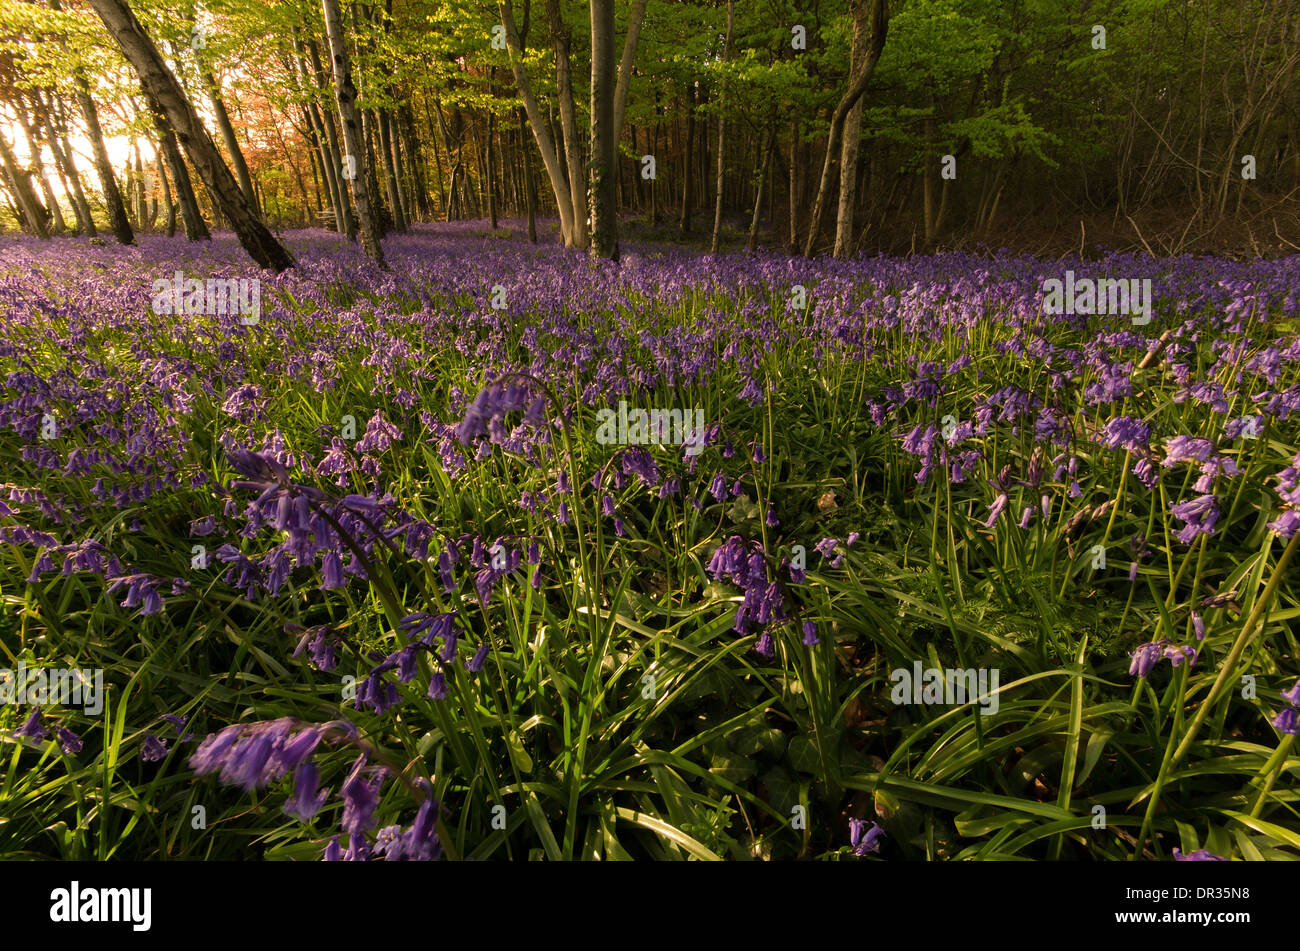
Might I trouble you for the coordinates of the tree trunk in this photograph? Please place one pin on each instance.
(688, 168)
(849, 154)
(328, 164)
(603, 198)
(195, 227)
(541, 133)
(117, 219)
(580, 236)
(67, 169)
(58, 225)
(161, 84)
(530, 188)
(634, 20)
(348, 224)
(227, 131)
(33, 215)
(387, 146)
(491, 175)
(751, 242)
(872, 16)
(722, 134)
(346, 94)
(161, 171)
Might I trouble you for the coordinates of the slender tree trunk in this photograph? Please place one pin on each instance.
(541, 133)
(33, 215)
(67, 169)
(117, 220)
(491, 175)
(688, 168)
(603, 197)
(324, 159)
(348, 224)
(872, 15)
(849, 153)
(927, 183)
(161, 84)
(751, 241)
(58, 225)
(161, 171)
(634, 20)
(346, 94)
(387, 146)
(654, 184)
(227, 130)
(561, 40)
(530, 188)
(796, 188)
(722, 134)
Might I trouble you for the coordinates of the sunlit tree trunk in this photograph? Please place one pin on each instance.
(158, 81)
(355, 157)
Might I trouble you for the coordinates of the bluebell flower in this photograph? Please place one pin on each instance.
(475, 663)
(361, 796)
(307, 797)
(1286, 721)
(32, 729)
(153, 749)
(864, 838)
(70, 742)
(1200, 855)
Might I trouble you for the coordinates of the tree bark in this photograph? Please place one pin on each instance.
(346, 94)
(162, 85)
(349, 224)
(57, 224)
(387, 146)
(751, 241)
(227, 130)
(117, 220)
(64, 162)
(872, 15)
(32, 213)
(722, 134)
(688, 169)
(530, 187)
(849, 153)
(196, 228)
(634, 20)
(579, 236)
(541, 133)
(603, 198)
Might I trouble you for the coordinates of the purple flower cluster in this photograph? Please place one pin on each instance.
(1145, 658)
(743, 565)
(1286, 720)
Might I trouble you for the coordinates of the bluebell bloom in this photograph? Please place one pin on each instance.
(307, 797)
(70, 742)
(864, 838)
(361, 796)
(475, 663)
(32, 729)
(153, 749)
(1200, 855)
